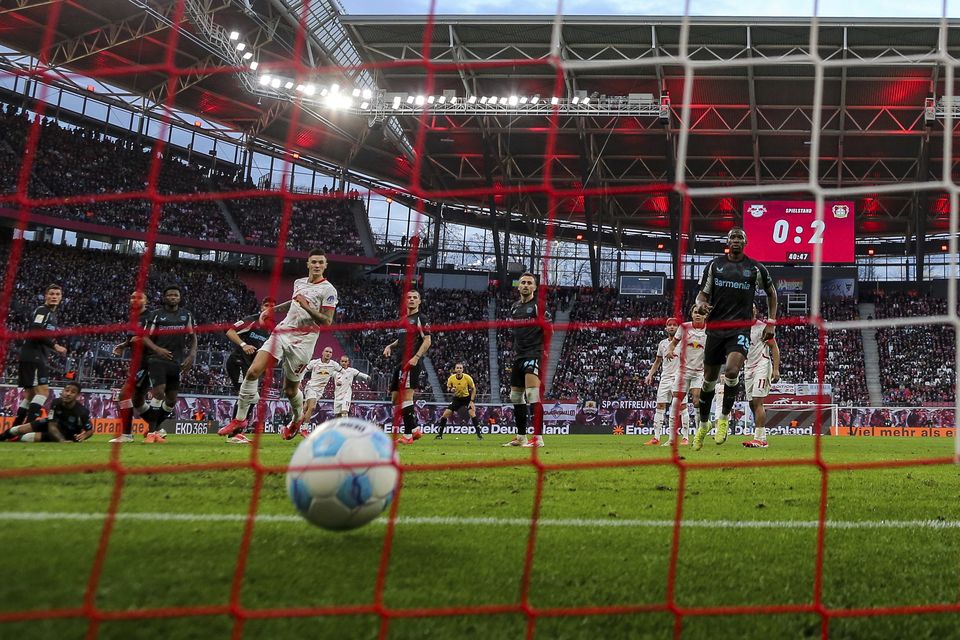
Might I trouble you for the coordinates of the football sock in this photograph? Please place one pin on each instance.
(126, 420)
(296, 404)
(476, 423)
(10, 433)
(246, 397)
(409, 419)
(658, 423)
(706, 401)
(536, 409)
(520, 415)
(684, 421)
(36, 407)
(443, 425)
(760, 433)
(729, 397)
(22, 412)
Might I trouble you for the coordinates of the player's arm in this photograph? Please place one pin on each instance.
(418, 356)
(192, 355)
(150, 344)
(390, 347)
(654, 368)
(324, 316)
(450, 384)
(40, 324)
(771, 289)
(775, 357)
(473, 389)
(54, 431)
(706, 289)
(235, 335)
(362, 375)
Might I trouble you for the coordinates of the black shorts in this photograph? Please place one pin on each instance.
(32, 374)
(458, 402)
(43, 426)
(412, 380)
(166, 372)
(236, 370)
(719, 346)
(521, 367)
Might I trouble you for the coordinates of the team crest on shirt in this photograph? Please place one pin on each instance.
(756, 210)
(747, 273)
(841, 211)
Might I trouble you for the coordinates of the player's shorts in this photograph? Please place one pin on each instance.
(458, 402)
(236, 370)
(165, 372)
(689, 380)
(665, 390)
(409, 379)
(32, 374)
(720, 345)
(757, 384)
(293, 350)
(521, 367)
(341, 406)
(311, 392)
(43, 426)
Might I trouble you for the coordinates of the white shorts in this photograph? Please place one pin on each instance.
(341, 406)
(757, 384)
(293, 351)
(311, 392)
(689, 380)
(665, 390)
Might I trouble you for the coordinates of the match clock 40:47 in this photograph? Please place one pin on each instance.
(787, 231)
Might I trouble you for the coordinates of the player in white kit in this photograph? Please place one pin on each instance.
(667, 378)
(343, 387)
(320, 370)
(292, 342)
(687, 347)
(762, 369)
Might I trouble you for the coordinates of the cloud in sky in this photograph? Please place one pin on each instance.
(760, 8)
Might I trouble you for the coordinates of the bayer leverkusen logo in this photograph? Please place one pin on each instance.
(841, 211)
(756, 210)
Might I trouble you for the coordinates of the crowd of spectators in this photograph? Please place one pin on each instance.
(82, 165)
(916, 361)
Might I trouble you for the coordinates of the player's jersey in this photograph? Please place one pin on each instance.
(253, 333)
(731, 288)
(693, 340)
(343, 383)
(70, 420)
(320, 372)
(758, 357)
(527, 341)
(38, 349)
(320, 295)
(175, 343)
(461, 386)
(669, 367)
(411, 338)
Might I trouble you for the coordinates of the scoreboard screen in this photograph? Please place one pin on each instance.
(785, 231)
(641, 285)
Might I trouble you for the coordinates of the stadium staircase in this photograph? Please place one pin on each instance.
(362, 221)
(556, 347)
(494, 355)
(434, 380)
(871, 356)
(225, 210)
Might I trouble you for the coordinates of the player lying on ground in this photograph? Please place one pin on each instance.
(68, 421)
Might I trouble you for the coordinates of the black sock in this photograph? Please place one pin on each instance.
(409, 419)
(21, 416)
(729, 397)
(706, 401)
(476, 423)
(520, 415)
(443, 425)
(6, 435)
(34, 411)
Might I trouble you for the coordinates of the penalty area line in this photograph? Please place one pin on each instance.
(52, 516)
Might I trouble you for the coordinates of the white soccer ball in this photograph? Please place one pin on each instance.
(346, 497)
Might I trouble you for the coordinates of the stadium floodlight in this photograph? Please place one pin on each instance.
(324, 92)
(241, 46)
(264, 79)
(472, 99)
(300, 88)
(410, 99)
(514, 100)
(356, 93)
(575, 100)
(248, 55)
(535, 100)
(288, 85)
(275, 83)
(234, 35)
(254, 65)
(442, 100)
(453, 99)
(586, 100)
(523, 100)
(420, 100)
(503, 100)
(367, 94)
(396, 102)
(430, 100)
(364, 105)
(334, 88)
(309, 89)
(554, 100)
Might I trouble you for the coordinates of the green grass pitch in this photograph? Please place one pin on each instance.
(604, 541)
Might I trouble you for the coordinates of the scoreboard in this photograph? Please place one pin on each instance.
(786, 231)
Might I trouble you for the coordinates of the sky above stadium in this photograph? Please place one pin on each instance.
(765, 8)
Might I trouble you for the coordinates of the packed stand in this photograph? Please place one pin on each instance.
(901, 348)
(96, 291)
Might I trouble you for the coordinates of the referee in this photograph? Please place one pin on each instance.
(464, 393)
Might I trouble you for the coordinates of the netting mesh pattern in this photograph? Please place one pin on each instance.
(556, 191)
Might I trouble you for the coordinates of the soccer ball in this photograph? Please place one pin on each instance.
(349, 496)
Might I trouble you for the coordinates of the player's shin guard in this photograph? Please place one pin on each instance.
(706, 401)
(246, 398)
(476, 423)
(684, 420)
(22, 412)
(520, 415)
(296, 406)
(409, 416)
(658, 423)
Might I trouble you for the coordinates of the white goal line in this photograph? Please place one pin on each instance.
(49, 516)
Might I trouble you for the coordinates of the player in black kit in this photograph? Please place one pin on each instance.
(525, 376)
(69, 421)
(133, 396)
(728, 287)
(34, 372)
(170, 329)
(413, 340)
(248, 335)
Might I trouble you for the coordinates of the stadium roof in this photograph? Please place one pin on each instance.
(751, 112)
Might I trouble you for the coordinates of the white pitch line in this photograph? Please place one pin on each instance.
(47, 516)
